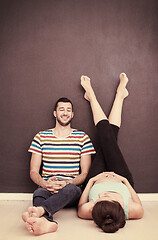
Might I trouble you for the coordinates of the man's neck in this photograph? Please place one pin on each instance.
(62, 131)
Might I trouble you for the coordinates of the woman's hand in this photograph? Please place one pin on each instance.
(121, 178)
(101, 175)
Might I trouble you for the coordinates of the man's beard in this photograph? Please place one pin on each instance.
(62, 123)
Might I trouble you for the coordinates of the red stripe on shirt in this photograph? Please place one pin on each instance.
(87, 151)
(59, 171)
(61, 153)
(32, 149)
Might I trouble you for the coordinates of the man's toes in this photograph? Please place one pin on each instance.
(34, 214)
(25, 216)
(31, 220)
(32, 211)
(29, 227)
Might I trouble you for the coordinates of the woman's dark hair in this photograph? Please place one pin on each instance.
(109, 216)
(63, 99)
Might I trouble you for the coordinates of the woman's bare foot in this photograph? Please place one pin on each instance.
(86, 84)
(122, 90)
(123, 79)
(39, 226)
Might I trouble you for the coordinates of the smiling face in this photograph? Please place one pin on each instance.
(64, 113)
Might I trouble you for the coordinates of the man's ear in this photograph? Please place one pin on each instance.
(55, 113)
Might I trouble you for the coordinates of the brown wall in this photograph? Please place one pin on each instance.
(45, 46)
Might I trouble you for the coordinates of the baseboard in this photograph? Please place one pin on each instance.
(28, 196)
(148, 196)
(15, 196)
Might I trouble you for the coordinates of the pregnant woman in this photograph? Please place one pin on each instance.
(109, 197)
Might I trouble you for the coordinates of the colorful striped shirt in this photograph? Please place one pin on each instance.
(61, 157)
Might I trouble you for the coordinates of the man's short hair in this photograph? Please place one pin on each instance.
(63, 99)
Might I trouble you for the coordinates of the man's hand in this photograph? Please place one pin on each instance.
(53, 185)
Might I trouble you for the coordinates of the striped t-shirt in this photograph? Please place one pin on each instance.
(61, 157)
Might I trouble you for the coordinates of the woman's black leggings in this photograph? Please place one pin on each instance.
(108, 157)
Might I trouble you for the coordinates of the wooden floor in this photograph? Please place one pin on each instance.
(71, 227)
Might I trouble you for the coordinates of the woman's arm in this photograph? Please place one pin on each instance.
(136, 210)
(85, 194)
(135, 206)
(85, 207)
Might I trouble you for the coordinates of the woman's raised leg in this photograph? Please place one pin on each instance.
(116, 111)
(122, 93)
(97, 111)
(109, 157)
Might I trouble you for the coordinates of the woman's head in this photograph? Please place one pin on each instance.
(108, 215)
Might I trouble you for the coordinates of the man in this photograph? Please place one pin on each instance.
(65, 155)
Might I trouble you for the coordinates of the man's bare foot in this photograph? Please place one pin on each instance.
(39, 226)
(25, 216)
(86, 84)
(33, 212)
(122, 90)
(36, 211)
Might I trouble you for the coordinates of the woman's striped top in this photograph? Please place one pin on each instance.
(61, 157)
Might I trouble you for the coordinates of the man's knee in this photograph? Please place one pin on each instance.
(72, 190)
(41, 192)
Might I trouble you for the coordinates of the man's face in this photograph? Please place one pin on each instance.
(63, 113)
